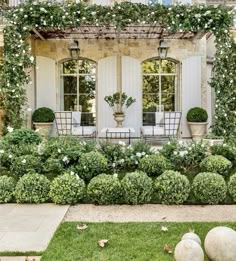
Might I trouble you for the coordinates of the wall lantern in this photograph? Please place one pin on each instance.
(163, 49)
(74, 49)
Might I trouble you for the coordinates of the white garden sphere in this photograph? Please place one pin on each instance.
(187, 250)
(220, 244)
(192, 236)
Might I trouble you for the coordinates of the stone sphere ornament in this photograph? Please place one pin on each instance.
(187, 250)
(193, 237)
(220, 244)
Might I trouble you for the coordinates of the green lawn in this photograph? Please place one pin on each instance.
(127, 241)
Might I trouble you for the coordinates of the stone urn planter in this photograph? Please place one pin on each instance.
(43, 120)
(211, 140)
(197, 122)
(119, 117)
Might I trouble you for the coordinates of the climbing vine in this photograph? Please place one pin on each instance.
(177, 18)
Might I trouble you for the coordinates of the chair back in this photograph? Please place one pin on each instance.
(63, 122)
(171, 122)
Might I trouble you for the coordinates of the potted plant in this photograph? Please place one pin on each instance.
(197, 121)
(43, 120)
(116, 102)
(213, 139)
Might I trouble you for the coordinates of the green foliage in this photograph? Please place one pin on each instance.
(104, 189)
(184, 156)
(7, 187)
(43, 114)
(232, 187)
(212, 136)
(154, 165)
(209, 188)
(171, 188)
(25, 164)
(68, 188)
(32, 188)
(217, 164)
(225, 150)
(118, 100)
(197, 114)
(22, 136)
(90, 165)
(136, 188)
(53, 166)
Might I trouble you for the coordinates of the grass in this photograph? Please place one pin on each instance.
(127, 241)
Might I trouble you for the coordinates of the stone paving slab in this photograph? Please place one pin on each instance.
(151, 213)
(28, 227)
(19, 258)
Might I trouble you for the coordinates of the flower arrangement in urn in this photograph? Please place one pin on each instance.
(117, 101)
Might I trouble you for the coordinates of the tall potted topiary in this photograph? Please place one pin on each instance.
(197, 121)
(43, 120)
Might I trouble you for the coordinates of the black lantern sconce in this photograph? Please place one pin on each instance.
(163, 49)
(74, 49)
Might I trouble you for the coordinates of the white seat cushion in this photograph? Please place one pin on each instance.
(82, 131)
(152, 130)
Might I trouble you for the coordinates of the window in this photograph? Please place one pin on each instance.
(159, 88)
(78, 89)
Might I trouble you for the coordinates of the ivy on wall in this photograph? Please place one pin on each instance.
(177, 18)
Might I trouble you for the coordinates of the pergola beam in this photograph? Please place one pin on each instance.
(38, 34)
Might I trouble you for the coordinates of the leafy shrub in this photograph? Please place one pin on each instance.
(217, 164)
(232, 187)
(43, 114)
(197, 114)
(154, 165)
(225, 150)
(171, 188)
(7, 187)
(184, 156)
(53, 166)
(136, 188)
(104, 189)
(68, 188)
(25, 164)
(91, 164)
(209, 188)
(32, 188)
(22, 136)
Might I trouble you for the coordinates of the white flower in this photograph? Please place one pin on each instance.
(10, 129)
(93, 13)
(143, 153)
(136, 162)
(115, 175)
(43, 10)
(31, 58)
(138, 154)
(164, 229)
(182, 153)
(113, 165)
(1, 151)
(197, 15)
(10, 156)
(85, 167)
(175, 153)
(65, 159)
(23, 161)
(72, 173)
(37, 130)
(181, 142)
(59, 150)
(122, 143)
(122, 161)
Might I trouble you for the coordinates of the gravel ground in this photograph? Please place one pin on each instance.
(150, 213)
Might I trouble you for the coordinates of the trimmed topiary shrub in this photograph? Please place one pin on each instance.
(32, 188)
(197, 114)
(68, 188)
(225, 150)
(22, 136)
(154, 165)
(25, 164)
(104, 189)
(217, 164)
(232, 187)
(90, 165)
(209, 188)
(7, 187)
(43, 114)
(136, 188)
(171, 188)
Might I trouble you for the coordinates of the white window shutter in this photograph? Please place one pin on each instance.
(132, 86)
(45, 83)
(106, 85)
(191, 89)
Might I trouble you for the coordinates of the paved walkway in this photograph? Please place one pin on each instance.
(19, 258)
(28, 227)
(150, 213)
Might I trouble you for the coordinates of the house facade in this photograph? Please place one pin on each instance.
(130, 63)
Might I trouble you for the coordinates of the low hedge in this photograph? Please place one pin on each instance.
(104, 189)
(209, 188)
(7, 188)
(136, 188)
(171, 188)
